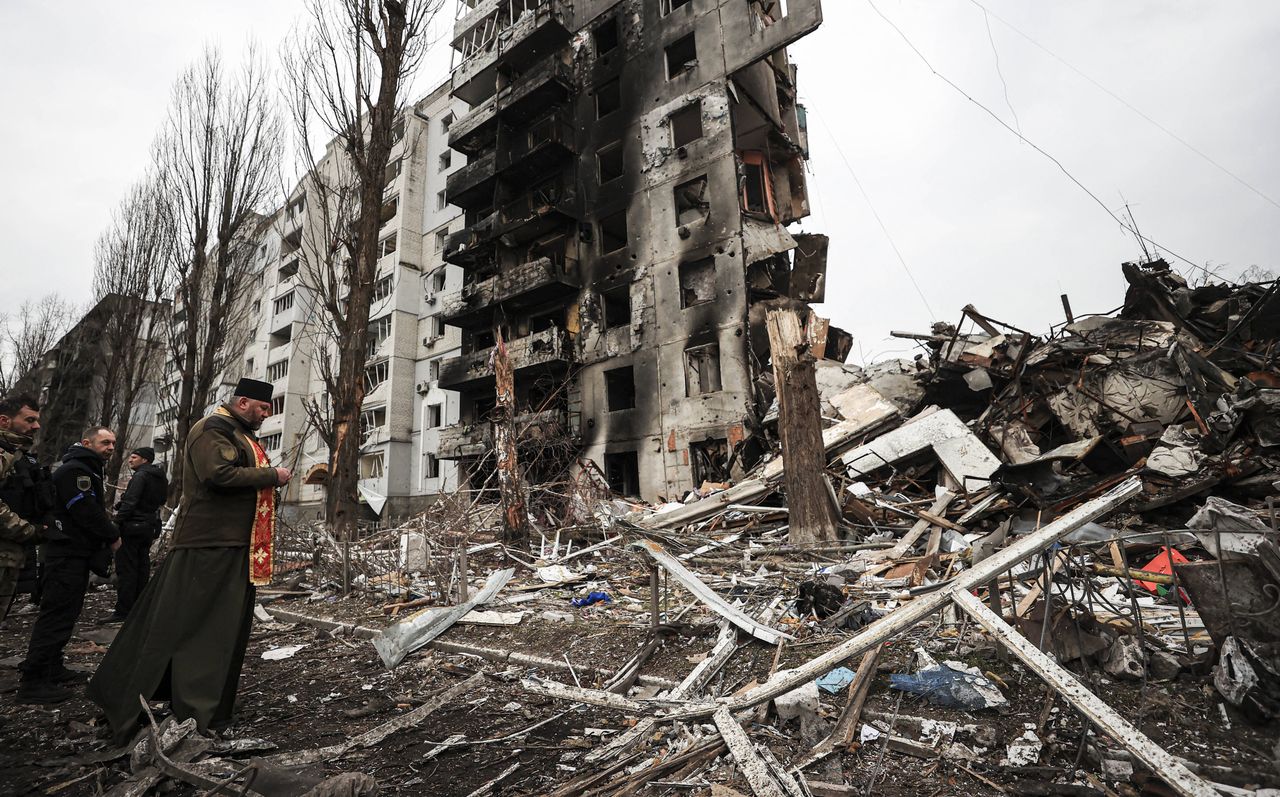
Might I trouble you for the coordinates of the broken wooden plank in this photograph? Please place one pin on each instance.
(708, 667)
(903, 546)
(487, 788)
(752, 766)
(847, 724)
(417, 630)
(379, 733)
(1156, 758)
(690, 581)
(577, 694)
(907, 615)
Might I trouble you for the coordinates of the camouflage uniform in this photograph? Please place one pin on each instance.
(15, 532)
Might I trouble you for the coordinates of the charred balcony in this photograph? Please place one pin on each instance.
(506, 46)
(472, 244)
(538, 353)
(522, 287)
(549, 206)
(546, 84)
(534, 430)
(539, 148)
(472, 185)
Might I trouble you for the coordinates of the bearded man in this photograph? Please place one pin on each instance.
(185, 639)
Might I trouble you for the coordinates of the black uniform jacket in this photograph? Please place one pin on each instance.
(86, 527)
(138, 512)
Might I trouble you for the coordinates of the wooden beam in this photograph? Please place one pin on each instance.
(842, 734)
(750, 764)
(812, 517)
(690, 581)
(1167, 767)
(907, 615)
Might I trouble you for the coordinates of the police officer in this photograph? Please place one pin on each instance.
(26, 497)
(138, 516)
(84, 543)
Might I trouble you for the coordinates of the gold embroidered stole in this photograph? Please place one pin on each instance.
(264, 519)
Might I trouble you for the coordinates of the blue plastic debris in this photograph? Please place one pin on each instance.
(950, 686)
(836, 680)
(592, 597)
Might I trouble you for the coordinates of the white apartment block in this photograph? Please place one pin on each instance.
(404, 409)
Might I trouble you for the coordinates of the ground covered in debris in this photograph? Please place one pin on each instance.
(1049, 566)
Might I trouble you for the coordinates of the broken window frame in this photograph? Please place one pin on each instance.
(628, 462)
(686, 270)
(684, 204)
(756, 160)
(702, 372)
(608, 237)
(614, 36)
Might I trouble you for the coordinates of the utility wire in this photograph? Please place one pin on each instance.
(986, 18)
(1031, 143)
(1128, 105)
(880, 221)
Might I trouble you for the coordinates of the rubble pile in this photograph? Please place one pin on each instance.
(1055, 572)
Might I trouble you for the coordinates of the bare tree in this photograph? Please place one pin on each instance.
(347, 71)
(132, 269)
(31, 332)
(218, 157)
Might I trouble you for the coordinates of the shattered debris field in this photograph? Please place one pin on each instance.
(1054, 570)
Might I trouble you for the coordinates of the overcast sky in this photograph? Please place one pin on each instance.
(977, 215)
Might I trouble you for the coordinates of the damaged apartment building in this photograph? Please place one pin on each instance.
(631, 170)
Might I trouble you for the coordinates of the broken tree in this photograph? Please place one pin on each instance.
(812, 511)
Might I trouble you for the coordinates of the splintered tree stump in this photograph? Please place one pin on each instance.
(812, 517)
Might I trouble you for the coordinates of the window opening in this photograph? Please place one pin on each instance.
(613, 232)
(691, 201)
(609, 161)
(606, 35)
(617, 306)
(682, 55)
(697, 281)
(620, 389)
(686, 124)
(608, 98)
(622, 471)
(702, 369)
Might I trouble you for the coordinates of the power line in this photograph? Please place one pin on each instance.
(1030, 143)
(986, 18)
(879, 221)
(1128, 105)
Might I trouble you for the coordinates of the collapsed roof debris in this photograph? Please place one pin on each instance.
(1061, 548)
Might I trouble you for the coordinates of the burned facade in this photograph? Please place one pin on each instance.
(632, 167)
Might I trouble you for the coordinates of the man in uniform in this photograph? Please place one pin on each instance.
(185, 639)
(83, 543)
(26, 495)
(138, 516)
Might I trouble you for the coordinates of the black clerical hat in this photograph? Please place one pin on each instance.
(252, 388)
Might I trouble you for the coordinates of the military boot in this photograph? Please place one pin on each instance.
(60, 674)
(42, 693)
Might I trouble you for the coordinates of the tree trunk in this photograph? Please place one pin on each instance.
(811, 516)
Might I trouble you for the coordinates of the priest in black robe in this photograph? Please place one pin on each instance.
(185, 639)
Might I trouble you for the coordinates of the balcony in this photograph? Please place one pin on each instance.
(472, 244)
(467, 440)
(472, 185)
(546, 84)
(538, 149)
(526, 285)
(545, 208)
(540, 352)
(534, 34)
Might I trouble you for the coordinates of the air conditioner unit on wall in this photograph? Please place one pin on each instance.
(430, 297)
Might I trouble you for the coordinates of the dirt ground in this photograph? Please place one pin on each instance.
(336, 687)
